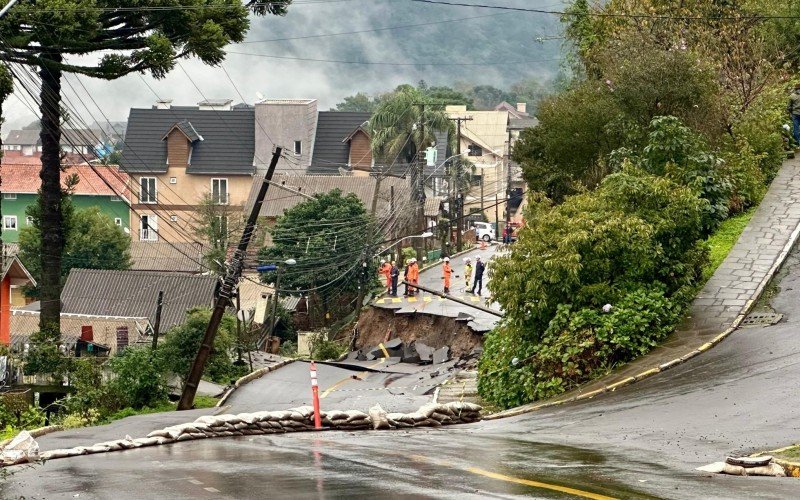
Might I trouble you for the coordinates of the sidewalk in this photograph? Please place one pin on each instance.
(727, 297)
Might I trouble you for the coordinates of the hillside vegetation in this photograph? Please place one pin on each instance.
(674, 125)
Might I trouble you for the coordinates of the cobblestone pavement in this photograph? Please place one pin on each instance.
(736, 284)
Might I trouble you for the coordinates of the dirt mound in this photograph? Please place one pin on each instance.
(435, 331)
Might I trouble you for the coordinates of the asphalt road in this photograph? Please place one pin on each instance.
(396, 387)
(430, 304)
(641, 441)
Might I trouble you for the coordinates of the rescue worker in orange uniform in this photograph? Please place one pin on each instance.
(386, 271)
(413, 276)
(446, 272)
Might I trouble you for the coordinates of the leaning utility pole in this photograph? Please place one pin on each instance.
(232, 275)
(456, 192)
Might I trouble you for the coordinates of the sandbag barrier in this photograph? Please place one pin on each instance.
(277, 422)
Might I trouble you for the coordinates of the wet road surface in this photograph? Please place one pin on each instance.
(642, 440)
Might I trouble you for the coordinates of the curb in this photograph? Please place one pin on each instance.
(250, 377)
(779, 260)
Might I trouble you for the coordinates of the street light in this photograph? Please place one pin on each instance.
(426, 234)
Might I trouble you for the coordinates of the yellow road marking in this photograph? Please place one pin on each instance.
(537, 484)
(427, 299)
(475, 299)
(412, 299)
(517, 480)
(383, 348)
(396, 300)
(362, 376)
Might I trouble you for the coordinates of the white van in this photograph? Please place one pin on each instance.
(485, 231)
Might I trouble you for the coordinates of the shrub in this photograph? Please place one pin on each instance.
(635, 242)
(139, 379)
(182, 342)
(323, 348)
(576, 346)
(90, 398)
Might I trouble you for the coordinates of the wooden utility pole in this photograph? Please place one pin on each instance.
(232, 275)
(157, 325)
(508, 180)
(457, 196)
(421, 180)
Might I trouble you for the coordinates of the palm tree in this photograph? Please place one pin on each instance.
(396, 125)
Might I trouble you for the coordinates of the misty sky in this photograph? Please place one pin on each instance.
(461, 47)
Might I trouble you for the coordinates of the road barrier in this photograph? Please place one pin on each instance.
(315, 394)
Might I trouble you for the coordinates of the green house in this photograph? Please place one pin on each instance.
(21, 184)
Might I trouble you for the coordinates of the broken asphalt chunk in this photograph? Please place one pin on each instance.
(441, 355)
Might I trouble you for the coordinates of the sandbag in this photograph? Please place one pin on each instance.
(23, 448)
(378, 416)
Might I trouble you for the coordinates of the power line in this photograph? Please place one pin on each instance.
(612, 15)
(384, 63)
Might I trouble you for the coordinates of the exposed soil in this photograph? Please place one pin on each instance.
(435, 331)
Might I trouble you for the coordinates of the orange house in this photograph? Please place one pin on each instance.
(13, 275)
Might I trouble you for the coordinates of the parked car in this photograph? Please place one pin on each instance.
(485, 231)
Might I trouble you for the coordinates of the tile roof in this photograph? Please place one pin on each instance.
(228, 145)
(163, 256)
(523, 123)
(279, 200)
(330, 152)
(22, 138)
(133, 294)
(432, 205)
(188, 130)
(24, 178)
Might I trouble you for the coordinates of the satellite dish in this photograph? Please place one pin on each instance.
(260, 96)
(127, 231)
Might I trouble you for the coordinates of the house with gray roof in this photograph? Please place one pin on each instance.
(78, 144)
(183, 158)
(132, 294)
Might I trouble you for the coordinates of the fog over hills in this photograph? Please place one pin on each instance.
(289, 56)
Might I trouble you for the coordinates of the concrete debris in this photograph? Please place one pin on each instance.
(425, 352)
(441, 355)
(410, 354)
(264, 422)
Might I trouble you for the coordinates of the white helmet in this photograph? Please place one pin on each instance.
(383, 261)
(447, 259)
(478, 257)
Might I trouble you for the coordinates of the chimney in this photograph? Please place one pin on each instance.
(522, 107)
(87, 335)
(215, 105)
(163, 104)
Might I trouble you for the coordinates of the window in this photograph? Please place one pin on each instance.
(173, 218)
(29, 221)
(476, 180)
(298, 147)
(147, 190)
(475, 150)
(173, 180)
(10, 222)
(9, 196)
(116, 198)
(219, 191)
(117, 221)
(149, 228)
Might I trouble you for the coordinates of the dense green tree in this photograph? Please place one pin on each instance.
(97, 38)
(634, 243)
(181, 343)
(93, 241)
(329, 237)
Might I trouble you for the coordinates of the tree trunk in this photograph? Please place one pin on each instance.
(50, 197)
